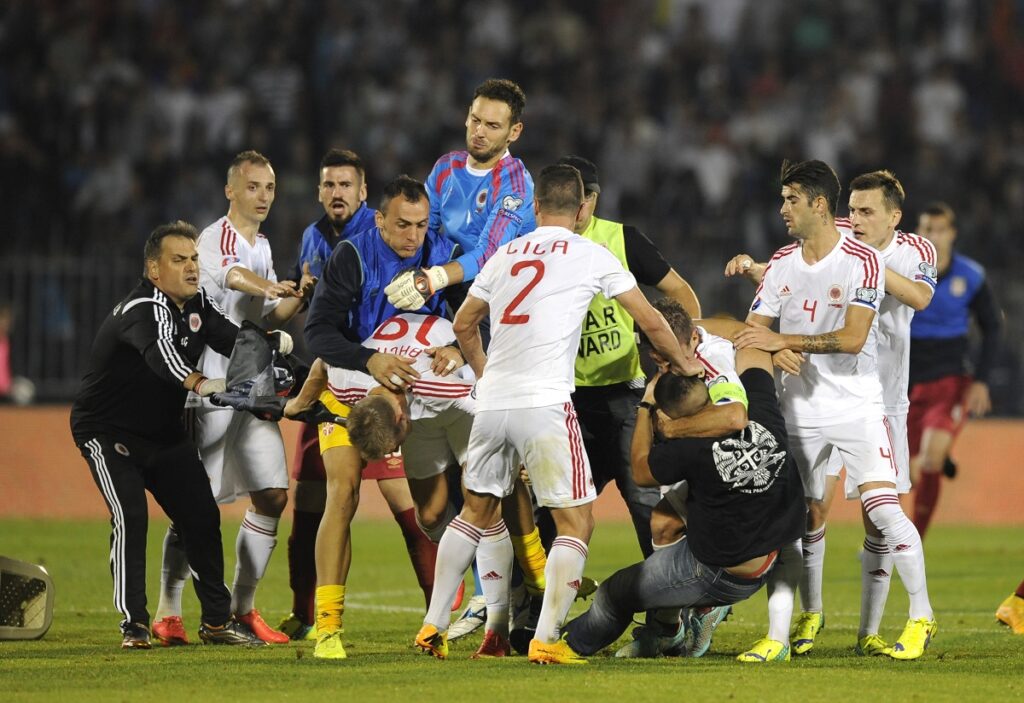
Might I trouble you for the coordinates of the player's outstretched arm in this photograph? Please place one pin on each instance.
(467, 331)
(676, 287)
(658, 332)
(745, 265)
(315, 384)
(849, 339)
(290, 305)
(245, 281)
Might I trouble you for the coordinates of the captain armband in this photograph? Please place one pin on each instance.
(722, 390)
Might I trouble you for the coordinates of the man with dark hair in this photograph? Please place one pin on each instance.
(342, 193)
(663, 632)
(537, 288)
(480, 198)
(346, 313)
(876, 202)
(243, 455)
(826, 290)
(609, 380)
(746, 506)
(945, 386)
(127, 422)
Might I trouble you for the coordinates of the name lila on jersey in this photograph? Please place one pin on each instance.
(525, 246)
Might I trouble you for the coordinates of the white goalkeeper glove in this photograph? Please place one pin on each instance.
(285, 344)
(208, 386)
(410, 289)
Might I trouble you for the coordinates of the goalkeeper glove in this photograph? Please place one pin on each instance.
(410, 289)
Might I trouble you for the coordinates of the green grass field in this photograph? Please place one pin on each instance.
(970, 570)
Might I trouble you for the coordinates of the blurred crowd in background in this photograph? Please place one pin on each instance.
(118, 115)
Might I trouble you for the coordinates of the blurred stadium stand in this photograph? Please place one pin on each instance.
(116, 116)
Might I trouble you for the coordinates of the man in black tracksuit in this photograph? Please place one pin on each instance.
(127, 422)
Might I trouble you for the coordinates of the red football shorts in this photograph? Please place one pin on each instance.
(309, 466)
(937, 404)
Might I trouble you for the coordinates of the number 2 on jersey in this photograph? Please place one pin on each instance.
(507, 318)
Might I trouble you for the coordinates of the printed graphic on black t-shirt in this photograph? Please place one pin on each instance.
(751, 462)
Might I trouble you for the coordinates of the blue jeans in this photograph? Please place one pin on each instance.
(669, 578)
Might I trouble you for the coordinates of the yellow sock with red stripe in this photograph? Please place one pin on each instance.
(330, 604)
(532, 560)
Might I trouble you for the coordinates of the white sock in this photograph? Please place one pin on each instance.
(782, 584)
(875, 574)
(566, 560)
(455, 553)
(814, 565)
(882, 506)
(494, 557)
(173, 574)
(253, 547)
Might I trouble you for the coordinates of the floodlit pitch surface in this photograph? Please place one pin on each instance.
(970, 570)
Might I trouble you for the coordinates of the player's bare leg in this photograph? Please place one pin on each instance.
(256, 540)
(422, 550)
(307, 511)
(334, 547)
(927, 472)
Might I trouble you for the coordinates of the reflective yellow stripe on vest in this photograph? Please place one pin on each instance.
(607, 352)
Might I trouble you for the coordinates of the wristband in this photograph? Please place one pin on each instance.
(196, 386)
(645, 405)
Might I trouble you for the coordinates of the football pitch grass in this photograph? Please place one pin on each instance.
(970, 571)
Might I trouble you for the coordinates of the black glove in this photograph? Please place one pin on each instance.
(317, 413)
(265, 407)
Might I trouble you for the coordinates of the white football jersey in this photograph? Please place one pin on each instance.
(813, 299)
(410, 335)
(912, 256)
(718, 356)
(539, 288)
(222, 248)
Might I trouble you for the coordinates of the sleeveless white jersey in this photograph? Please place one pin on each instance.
(410, 335)
(222, 248)
(813, 299)
(539, 288)
(912, 256)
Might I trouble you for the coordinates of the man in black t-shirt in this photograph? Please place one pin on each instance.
(127, 422)
(745, 506)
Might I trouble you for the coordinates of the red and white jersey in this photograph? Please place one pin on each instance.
(222, 248)
(812, 299)
(539, 288)
(718, 356)
(410, 335)
(912, 256)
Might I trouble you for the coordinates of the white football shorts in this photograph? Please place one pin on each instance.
(863, 446)
(901, 452)
(546, 440)
(241, 453)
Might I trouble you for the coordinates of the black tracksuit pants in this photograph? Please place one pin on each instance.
(124, 468)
